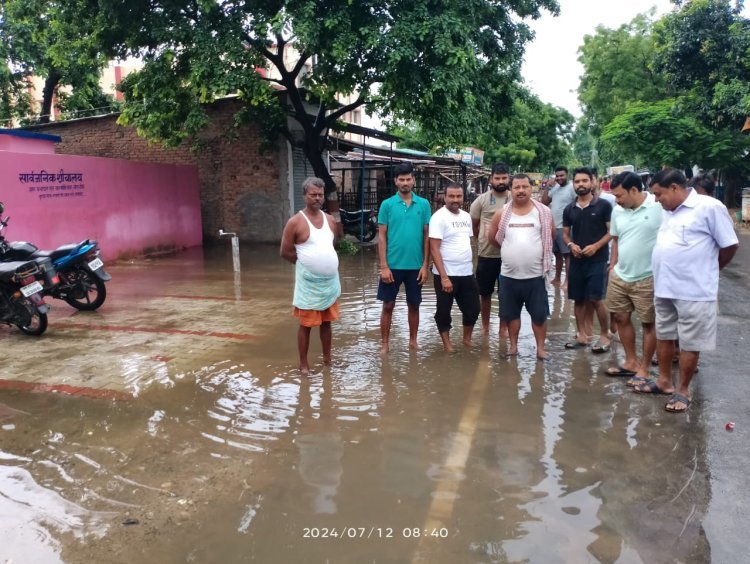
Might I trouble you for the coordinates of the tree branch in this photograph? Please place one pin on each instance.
(333, 116)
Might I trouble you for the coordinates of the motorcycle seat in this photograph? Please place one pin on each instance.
(58, 252)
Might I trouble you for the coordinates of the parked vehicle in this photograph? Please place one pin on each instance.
(78, 266)
(360, 223)
(21, 294)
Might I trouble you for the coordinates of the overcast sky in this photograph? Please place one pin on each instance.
(551, 68)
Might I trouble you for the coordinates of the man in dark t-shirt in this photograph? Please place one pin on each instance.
(586, 233)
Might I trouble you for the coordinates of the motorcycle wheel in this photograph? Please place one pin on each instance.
(88, 292)
(370, 233)
(37, 325)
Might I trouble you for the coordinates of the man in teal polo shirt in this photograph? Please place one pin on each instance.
(634, 226)
(403, 250)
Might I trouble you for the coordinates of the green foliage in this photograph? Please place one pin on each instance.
(618, 71)
(417, 62)
(700, 58)
(345, 247)
(58, 41)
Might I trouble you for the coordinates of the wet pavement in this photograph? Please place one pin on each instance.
(172, 426)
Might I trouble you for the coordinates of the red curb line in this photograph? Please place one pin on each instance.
(240, 336)
(35, 388)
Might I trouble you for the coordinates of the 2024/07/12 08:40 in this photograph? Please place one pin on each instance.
(372, 532)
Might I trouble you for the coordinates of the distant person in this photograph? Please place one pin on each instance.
(704, 184)
(607, 197)
(634, 225)
(451, 253)
(307, 242)
(559, 196)
(403, 250)
(524, 230)
(586, 233)
(488, 255)
(696, 239)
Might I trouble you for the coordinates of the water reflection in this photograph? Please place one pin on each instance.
(517, 460)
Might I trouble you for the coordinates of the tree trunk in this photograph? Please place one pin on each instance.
(314, 155)
(48, 94)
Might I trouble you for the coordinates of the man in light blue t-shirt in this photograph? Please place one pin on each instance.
(634, 225)
(403, 250)
(558, 197)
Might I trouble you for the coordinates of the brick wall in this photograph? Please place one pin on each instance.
(242, 189)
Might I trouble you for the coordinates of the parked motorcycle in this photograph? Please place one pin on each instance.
(353, 224)
(79, 268)
(21, 294)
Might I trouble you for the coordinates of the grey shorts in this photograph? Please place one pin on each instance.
(693, 323)
(559, 245)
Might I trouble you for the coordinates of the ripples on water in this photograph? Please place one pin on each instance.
(364, 442)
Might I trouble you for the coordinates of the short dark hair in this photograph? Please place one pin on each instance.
(627, 180)
(668, 176)
(500, 168)
(705, 181)
(453, 185)
(583, 170)
(558, 168)
(594, 171)
(520, 176)
(403, 169)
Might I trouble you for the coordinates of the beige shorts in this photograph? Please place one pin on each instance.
(625, 297)
(693, 323)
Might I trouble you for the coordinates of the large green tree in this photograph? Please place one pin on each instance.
(441, 64)
(618, 71)
(59, 41)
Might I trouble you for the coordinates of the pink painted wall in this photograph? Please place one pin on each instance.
(26, 145)
(127, 206)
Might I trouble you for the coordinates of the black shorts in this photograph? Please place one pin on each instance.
(488, 274)
(587, 280)
(388, 292)
(529, 292)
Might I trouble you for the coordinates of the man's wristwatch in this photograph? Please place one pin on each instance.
(570, 245)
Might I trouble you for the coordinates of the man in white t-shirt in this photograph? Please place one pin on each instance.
(525, 231)
(696, 239)
(450, 248)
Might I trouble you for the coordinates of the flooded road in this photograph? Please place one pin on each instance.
(175, 427)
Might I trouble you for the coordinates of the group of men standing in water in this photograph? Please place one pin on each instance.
(667, 248)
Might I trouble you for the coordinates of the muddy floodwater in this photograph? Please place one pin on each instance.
(216, 449)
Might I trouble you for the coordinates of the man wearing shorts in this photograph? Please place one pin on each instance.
(524, 231)
(403, 250)
(558, 197)
(450, 248)
(586, 233)
(696, 239)
(635, 222)
(488, 255)
(307, 242)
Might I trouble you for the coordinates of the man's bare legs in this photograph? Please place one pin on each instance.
(665, 352)
(580, 314)
(649, 347)
(540, 334)
(627, 338)
(445, 336)
(468, 330)
(485, 306)
(303, 345)
(514, 328)
(326, 336)
(386, 318)
(413, 324)
(602, 313)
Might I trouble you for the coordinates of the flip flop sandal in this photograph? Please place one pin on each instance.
(575, 345)
(636, 381)
(650, 387)
(674, 400)
(619, 371)
(599, 348)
